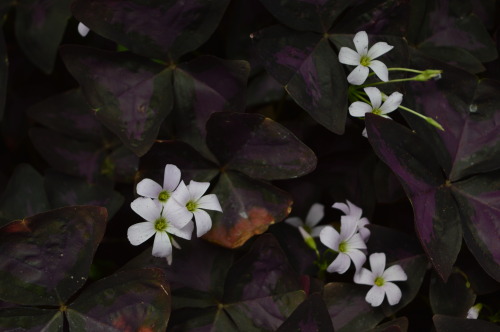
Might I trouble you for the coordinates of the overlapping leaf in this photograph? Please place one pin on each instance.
(46, 258)
(310, 315)
(31, 319)
(450, 324)
(40, 27)
(131, 95)
(440, 204)
(452, 298)
(249, 205)
(158, 29)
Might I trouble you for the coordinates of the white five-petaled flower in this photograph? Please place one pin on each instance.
(314, 216)
(353, 213)
(359, 108)
(381, 280)
(192, 199)
(348, 244)
(151, 189)
(161, 220)
(363, 58)
(83, 30)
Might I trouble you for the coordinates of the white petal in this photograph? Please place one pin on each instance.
(340, 264)
(357, 257)
(348, 226)
(375, 96)
(209, 202)
(354, 210)
(174, 243)
(394, 273)
(203, 222)
(364, 133)
(364, 277)
(473, 312)
(375, 296)
(140, 232)
(377, 263)
(169, 259)
(176, 214)
(392, 103)
(361, 42)
(315, 214)
(181, 194)
(184, 232)
(378, 49)
(317, 230)
(362, 222)
(356, 242)
(330, 237)
(171, 177)
(349, 57)
(342, 206)
(358, 75)
(364, 233)
(146, 208)
(294, 221)
(304, 233)
(83, 30)
(359, 109)
(148, 188)
(197, 189)
(380, 70)
(393, 293)
(162, 246)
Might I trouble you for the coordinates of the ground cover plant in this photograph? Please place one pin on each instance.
(235, 165)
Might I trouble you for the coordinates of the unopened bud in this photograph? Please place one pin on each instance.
(428, 74)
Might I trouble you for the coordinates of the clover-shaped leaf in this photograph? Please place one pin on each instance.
(46, 258)
(445, 323)
(158, 29)
(131, 95)
(311, 315)
(453, 298)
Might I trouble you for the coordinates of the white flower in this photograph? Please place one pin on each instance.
(192, 199)
(353, 213)
(151, 189)
(380, 279)
(161, 222)
(359, 108)
(473, 312)
(363, 59)
(348, 244)
(83, 30)
(314, 216)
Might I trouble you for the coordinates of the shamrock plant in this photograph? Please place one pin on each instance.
(235, 165)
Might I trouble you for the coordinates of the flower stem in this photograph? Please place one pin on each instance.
(406, 69)
(429, 120)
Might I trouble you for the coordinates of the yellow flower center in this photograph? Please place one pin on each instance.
(343, 247)
(191, 206)
(163, 196)
(364, 61)
(161, 224)
(377, 111)
(379, 281)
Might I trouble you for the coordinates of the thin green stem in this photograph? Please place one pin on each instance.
(406, 69)
(391, 81)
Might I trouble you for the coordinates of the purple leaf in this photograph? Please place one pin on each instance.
(452, 324)
(132, 300)
(307, 15)
(24, 195)
(123, 164)
(67, 155)
(203, 86)
(396, 325)
(452, 298)
(130, 95)
(310, 315)
(40, 26)
(479, 201)
(306, 65)
(46, 258)
(258, 146)
(31, 319)
(158, 29)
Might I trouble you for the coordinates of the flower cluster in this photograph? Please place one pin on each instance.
(377, 102)
(169, 210)
(350, 246)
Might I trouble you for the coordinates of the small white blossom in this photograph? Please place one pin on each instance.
(473, 312)
(363, 58)
(161, 221)
(314, 216)
(348, 244)
(353, 213)
(83, 30)
(359, 108)
(151, 189)
(381, 280)
(192, 199)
